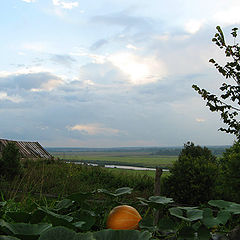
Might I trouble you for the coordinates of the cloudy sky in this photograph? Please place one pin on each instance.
(111, 73)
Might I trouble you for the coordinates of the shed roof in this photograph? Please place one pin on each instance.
(27, 149)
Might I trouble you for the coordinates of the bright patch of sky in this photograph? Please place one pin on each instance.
(111, 73)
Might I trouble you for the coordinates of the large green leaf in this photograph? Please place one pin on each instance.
(116, 193)
(210, 221)
(167, 224)
(232, 207)
(62, 233)
(86, 219)
(188, 214)
(156, 201)
(80, 197)
(25, 228)
(121, 234)
(58, 219)
(55, 215)
(2, 237)
(65, 203)
(58, 233)
(220, 204)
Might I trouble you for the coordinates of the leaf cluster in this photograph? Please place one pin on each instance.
(229, 101)
(71, 218)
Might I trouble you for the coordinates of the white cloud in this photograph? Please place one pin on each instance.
(193, 26)
(14, 98)
(130, 46)
(29, 1)
(48, 86)
(35, 46)
(64, 4)
(229, 16)
(94, 129)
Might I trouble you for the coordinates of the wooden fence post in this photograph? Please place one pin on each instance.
(157, 187)
(157, 190)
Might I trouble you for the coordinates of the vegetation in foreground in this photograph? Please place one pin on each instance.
(83, 216)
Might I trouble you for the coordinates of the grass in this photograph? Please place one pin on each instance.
(120, 158)
(61, 179)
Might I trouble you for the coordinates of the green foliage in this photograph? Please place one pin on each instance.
(228, 102)
(193, 176)
(10, 161)
(231, 172)
(70, 219)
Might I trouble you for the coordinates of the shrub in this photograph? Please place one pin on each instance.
(10, 161)
(230, 163)
(193, 176)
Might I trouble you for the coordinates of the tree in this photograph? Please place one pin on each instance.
(228, 103)
(193, 176)
(230, 163)
(10, 162)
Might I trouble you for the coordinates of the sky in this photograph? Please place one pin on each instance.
(111, 73)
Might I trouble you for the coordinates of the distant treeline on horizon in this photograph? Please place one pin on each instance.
(167, 151)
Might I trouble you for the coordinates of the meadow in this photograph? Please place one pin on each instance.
(141, 159)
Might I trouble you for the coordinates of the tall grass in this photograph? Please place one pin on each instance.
(56, 179)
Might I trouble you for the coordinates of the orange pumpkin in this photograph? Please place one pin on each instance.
(123, 217)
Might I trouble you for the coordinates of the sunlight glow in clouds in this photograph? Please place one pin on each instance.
(94, 129)
(193, 26)
(200, 120)
(141, 70)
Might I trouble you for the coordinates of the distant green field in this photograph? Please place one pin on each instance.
(120, 158)
(136, 172)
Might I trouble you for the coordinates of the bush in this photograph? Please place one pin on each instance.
(10, 161)
(230, 163)
(193, 176)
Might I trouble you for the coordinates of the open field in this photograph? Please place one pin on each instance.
(120, 158)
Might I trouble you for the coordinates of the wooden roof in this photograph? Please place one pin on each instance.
(27, 149)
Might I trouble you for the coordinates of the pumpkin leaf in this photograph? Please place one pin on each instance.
(210, 221)
(65, 203)
(80, 197)
(110, 234)
(2, 237)
(62, 233)
(118, 192)
(58, 233)
(155, 201)
(188, 214)
(25, 228)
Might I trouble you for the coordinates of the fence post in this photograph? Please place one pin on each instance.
(157, 190)
(157, 187)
